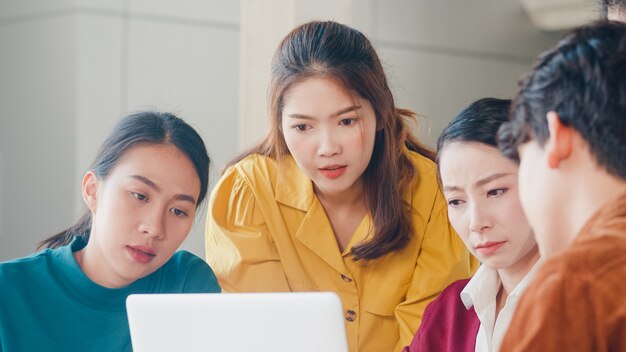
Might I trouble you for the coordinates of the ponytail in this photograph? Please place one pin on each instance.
(65, 237)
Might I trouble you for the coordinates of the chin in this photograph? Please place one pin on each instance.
(496, 264)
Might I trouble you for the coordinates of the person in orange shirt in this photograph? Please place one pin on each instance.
(568, 130)
(339, 196)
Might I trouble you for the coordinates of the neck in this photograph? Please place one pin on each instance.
(596, 188)
(350, 198)
(89, 259)
(512, 275)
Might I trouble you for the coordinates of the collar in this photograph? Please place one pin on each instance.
(293, 187)
(483, 288)
(606, 219)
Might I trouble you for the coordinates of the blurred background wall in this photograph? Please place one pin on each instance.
(69, 69)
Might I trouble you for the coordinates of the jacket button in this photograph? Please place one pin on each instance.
(345, 278)
(350, 315)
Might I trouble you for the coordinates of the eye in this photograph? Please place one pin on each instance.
(496, 192)
(348, 122)
(454, 203)
(301, 127)
(139, 196)
(178, 212)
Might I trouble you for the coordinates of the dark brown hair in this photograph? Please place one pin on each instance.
(583, 80)
(332, 50)
(146, 127)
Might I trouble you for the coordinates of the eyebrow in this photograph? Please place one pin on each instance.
(151, 184)
(338, 113)
(480, 182)
(491, 178)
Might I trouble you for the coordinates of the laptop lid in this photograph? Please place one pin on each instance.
(233, 322)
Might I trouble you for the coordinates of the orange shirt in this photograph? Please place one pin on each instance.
(578, 299)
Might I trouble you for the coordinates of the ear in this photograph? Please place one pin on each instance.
(559, 144)
(90, 190)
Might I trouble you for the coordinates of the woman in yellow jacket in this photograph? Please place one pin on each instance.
(339, 196)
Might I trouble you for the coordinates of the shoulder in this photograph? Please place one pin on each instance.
(583, 286)
(253, 166)
(448, 307)
(422, 163)
(424, 192)
(450, 297)
(22, 274)
(595, 264)
(253, 172)
(597, 256)
(20, 266)
(447, 324)
(183, 262)
(590, 271)
(425, 171)
(194, 273)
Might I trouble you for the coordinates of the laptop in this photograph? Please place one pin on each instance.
(237, 322)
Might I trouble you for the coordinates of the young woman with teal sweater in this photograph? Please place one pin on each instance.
(142, 192)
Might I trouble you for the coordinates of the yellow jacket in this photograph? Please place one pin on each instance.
(267, 231)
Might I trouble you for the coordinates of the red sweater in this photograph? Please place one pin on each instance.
(447, 326)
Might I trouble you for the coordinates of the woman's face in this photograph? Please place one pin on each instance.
(480, 187)
(330, 133)
(142, 211)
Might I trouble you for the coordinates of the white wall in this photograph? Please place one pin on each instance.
(442, 55)
(70, 68)
(37, 128)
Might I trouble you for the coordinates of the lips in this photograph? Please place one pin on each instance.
(489, 247)
(141, 254)
(333, 171)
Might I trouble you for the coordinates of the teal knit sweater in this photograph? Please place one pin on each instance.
(48, 304)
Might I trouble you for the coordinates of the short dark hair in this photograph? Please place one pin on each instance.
(605, 5)
(582, 79)
(479, 122)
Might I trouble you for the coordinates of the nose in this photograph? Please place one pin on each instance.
(480, 222)
(329, 144)
(152, 224)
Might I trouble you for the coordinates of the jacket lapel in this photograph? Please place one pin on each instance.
(295, 189)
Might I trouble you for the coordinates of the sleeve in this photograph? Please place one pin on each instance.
(443, 259)
(568, 312)
(423, 332)
(239, 246)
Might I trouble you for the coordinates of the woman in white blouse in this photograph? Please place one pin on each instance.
(480, 187)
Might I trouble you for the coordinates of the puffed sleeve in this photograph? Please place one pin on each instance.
(239, 246)
(443, 259)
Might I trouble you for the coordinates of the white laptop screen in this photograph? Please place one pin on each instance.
(233, 322)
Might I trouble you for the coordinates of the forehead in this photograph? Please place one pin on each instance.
(308, 92)
(162, 163)
(150, 153)
(463, 163)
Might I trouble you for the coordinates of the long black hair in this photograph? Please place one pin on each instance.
(145, 127)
